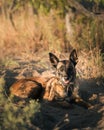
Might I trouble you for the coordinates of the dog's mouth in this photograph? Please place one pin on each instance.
(66, 80)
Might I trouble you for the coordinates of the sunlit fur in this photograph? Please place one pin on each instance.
(38, 88)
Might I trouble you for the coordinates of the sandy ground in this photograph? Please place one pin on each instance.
(54, 116)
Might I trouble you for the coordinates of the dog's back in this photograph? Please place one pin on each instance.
(38, 87)
(28, 88)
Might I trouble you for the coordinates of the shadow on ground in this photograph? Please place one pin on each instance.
(56, 117)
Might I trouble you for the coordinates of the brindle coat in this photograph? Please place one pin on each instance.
(65, 70)
(60, 86)
(38, 87)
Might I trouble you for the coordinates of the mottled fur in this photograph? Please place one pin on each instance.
(38, 87)
(60, 86)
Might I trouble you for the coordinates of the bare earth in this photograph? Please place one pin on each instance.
(56, 116)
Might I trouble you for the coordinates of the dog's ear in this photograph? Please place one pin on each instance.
(74, 57)
(54, 60)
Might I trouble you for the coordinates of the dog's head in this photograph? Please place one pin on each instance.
(65, 69)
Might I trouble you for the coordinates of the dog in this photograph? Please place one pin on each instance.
(60, 86)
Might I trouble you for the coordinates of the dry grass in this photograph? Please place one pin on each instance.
(45, 33)
(32, 34)
(90, 64)
(11, 41)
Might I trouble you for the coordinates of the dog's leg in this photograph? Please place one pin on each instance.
(51, 94)
(79, 101)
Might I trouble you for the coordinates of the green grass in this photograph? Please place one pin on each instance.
(16, 115)
(9, 62)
